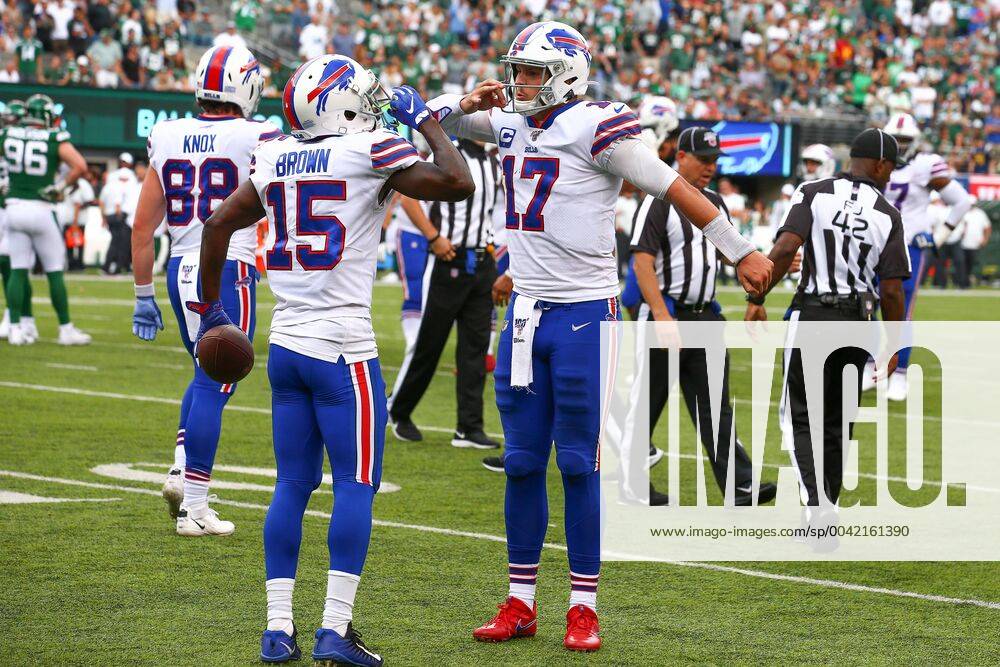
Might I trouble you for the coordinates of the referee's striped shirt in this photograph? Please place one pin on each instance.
(468, 223)
(852, 235)
(686, 263)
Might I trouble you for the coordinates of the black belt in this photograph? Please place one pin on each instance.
(861, 305)
(692, 307)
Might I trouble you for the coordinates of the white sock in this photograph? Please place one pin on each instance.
(279, 605)
(341, 587)
(68, 327)
(6, 315)
(583, 590)
(27, 321)
(196, 490)
(411, 325)
(523, 579)
(179, 457)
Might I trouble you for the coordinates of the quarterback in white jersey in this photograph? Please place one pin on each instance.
(563, 161)
(323, 191)
(194, 164)
(909, 190)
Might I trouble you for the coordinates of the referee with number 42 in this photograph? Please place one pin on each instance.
(854, 255)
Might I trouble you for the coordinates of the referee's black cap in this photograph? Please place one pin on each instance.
(875, 144)
(700, 141)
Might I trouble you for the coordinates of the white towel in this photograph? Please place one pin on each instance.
(188, 278)
(525, 318)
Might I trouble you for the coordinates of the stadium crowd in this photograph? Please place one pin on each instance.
(720, 59)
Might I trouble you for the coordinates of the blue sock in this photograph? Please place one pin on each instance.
(283, 528)
(583, 535)
(526, 511)
(350, 526)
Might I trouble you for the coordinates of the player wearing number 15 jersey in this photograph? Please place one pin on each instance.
(194, 164)
(324, 190)
(563, 163)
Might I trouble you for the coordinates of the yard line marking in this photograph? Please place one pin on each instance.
(72, 367)
(433, 429)
(759, 574)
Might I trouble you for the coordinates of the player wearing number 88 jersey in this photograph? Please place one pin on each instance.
(195, 163)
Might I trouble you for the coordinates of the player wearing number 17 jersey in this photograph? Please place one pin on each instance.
(563, 163)
(194, 164)
(324, 190)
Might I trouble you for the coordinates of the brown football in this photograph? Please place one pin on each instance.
(225, 354)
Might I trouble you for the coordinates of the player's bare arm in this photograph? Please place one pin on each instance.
(77, 164)
(241, 209)
(440, 245)
(446, 179)
(149, 212)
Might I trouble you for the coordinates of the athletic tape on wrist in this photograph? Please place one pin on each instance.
(727, 239)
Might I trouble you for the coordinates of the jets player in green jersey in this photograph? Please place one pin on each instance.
(12, 114)
(33, 152)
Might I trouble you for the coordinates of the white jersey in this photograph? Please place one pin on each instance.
(908, 191)
(200, 162)
(325, 207)
(559, 200)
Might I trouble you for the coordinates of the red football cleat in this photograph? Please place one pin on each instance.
(582, 629)
(491, 363)
(512, 621)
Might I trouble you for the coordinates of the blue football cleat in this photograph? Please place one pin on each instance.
(347, 650)
(277, 646)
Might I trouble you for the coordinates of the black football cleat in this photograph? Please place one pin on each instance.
(406, 430)
(493, 463)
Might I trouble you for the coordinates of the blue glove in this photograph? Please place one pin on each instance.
(212, 315)
(408, 107)
(146, 318)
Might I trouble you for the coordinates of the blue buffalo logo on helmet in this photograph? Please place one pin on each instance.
(337, 75)
(248, 70)
(568, 43)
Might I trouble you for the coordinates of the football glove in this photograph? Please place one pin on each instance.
(942, 233)
(51, 193)
(408, 107)
(146, 318)
(212, 315)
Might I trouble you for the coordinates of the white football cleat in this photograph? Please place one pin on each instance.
(867, 379)
(5, 324)
(897, 387)
(207, 522)
(17, 336)
(29, 328)
(70, 335)
(173, 491)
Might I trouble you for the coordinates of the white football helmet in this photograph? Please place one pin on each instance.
(564, 54)
(333, 95)
(822, 156)
(904, 129)
(230, 74)
(658, 118)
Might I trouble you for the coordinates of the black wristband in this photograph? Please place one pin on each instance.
(755, 300)
(436, 237)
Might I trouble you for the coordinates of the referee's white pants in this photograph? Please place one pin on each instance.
(32, 228)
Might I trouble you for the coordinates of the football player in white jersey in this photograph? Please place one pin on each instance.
(563, 162)
(816, 162)
(323, 191)
(909, 190)
(194, 164)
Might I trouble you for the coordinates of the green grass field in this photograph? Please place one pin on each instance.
(109, 583)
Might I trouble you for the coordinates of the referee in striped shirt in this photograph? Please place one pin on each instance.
(676, 268)
(855, 256)
(456, 291)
